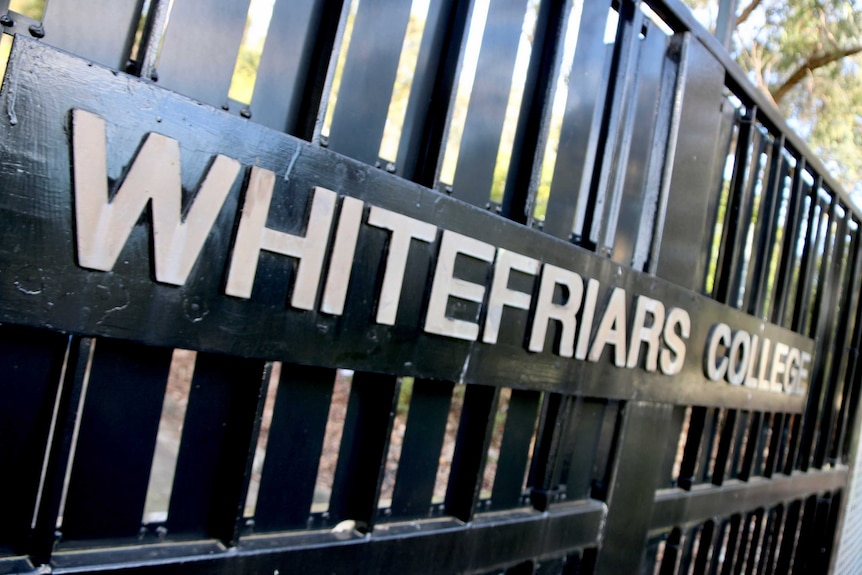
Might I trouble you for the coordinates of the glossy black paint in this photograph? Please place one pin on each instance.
(113, 419)
(293, 452)
(647, 115)
(131, 305)
(369, 75)
(423, 441)
(33, 361)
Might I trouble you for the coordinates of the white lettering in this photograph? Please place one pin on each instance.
(547, 310)
(740, 348)
(765, 347)
(612, 329)
(445, 284)
(648, 334)
(779, 357)
(673, 358)
(719, 334)
(587, 318)
(343, 250)
(403, 230)
(253, 236)
(798, 385)
(501, 295)
(104, 226)
(751, 376)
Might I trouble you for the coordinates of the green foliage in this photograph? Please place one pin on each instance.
(807, 55)
(244, 74)
(30, 8)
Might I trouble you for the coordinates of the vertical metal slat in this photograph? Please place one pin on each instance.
(839, 312)
(750, 261)
(116, 441)
(619, 125)
(216, 447)
(200, 48)
(579, 133)
(768, 222)
(632, 486)
(807, 263)
(536, 106)
(558, 420)
(694, 439)
(684, 232)
(580, 430)
(102, 30)
(294, 446)
(420, 452)
(788, 246)
(72, 388)
(368, 78)
(32, 362)
(299, 33)
(364, 443)
(677, 420)
(647, 114)
(480, 141)
(752, 447)
(725, 447)
(788, 537)
(815, 324)
(517, 435)
(850, 393)
(770, 541)
(774, 456)
(433, 82)
(471, 450)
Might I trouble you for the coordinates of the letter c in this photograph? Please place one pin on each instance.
(714, 367)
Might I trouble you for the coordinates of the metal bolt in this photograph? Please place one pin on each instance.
(245, 112)
(37, 30)
(390, 167)
(6, 20)
(324, 142)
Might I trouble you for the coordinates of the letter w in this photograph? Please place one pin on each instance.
(103, 225)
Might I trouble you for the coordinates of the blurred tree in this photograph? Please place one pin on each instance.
(30, 8)
(806, 54)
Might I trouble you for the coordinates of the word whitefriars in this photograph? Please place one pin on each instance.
(653, 337)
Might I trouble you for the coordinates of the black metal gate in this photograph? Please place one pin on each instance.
(496, 286)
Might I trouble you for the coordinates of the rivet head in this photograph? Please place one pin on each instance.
(6, 20)
(37, 31)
